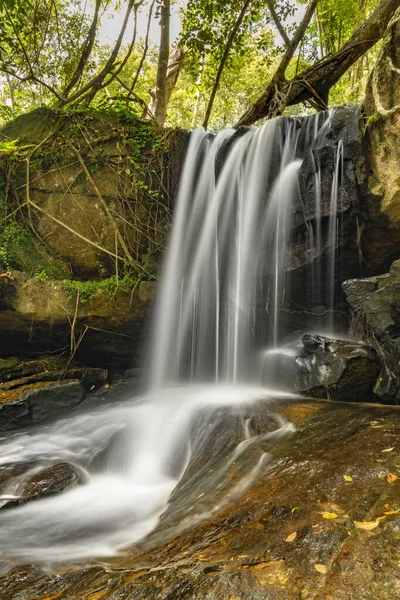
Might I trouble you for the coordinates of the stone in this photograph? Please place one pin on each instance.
(35, 403)
(337, 369)
(323, 367)
(27, 483)
(375, 303)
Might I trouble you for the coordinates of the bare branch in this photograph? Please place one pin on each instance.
(86, 50)
(298, 36)
(96, 81)
(224, 57)
(278, 24)
(146, 47)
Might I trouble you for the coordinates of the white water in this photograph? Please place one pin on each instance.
(230, 235)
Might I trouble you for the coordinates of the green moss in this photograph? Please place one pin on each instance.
(19, 250)
(88, 289)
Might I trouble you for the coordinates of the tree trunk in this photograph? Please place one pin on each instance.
(160, 98)
(315, 82)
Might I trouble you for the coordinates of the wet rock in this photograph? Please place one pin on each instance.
(345, 126)
(323, 367)
(375, 303)
(32, 404)
(338, 369)
(24, 482)
(243, 550)
(90, 378)
(13, 368)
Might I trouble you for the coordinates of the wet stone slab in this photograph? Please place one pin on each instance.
(322, 522)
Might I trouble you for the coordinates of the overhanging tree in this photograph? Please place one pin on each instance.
(314, 83)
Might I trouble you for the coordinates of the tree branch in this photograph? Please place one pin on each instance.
(278, 24)
(293, 44)
(320, 77)
(146, 47)
(224, 57)
(96, 81)
(86, 51)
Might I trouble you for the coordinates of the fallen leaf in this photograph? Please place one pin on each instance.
(328, 515)
(347, 478)
(320, 568)
(243, 556)
(390, 477)
(388, 450)
(263, 565)
(291, 537)
(386, 505)
(376, 426)
(368, 525)
(295, 508)
(392, 512)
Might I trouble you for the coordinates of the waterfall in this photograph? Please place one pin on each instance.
(225, 281)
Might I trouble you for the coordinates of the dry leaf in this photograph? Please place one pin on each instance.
(291, 537)
(263, 565)
(392, 512)
(376, 426)
(347, 478)
(328, 515)
(390, 477)
(386, 505)
(368, 525)
(320, 568)
(388, 450)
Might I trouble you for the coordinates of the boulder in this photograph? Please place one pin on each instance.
(34, 403)
(337, 369)
(21, 483)
(375, 302)
(323, 367)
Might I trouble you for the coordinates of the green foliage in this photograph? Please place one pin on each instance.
(19, 250)
(88, 289)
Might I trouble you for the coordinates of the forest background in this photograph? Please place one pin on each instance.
(213, 68)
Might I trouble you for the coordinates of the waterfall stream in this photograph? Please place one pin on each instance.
(223, 286)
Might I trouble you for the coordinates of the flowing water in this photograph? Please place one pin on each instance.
(219, 306)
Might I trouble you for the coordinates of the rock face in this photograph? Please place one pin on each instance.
(321, 305)
(36, 316)
(376, 317)
(101, 201)
(103, 193)
(380, 240)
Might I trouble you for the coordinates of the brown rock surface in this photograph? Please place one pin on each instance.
(381, 238)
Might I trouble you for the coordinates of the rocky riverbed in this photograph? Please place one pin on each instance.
(322, 522)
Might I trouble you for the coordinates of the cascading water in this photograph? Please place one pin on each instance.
(219, 303)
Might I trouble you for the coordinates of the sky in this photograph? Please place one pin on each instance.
(112, 21)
